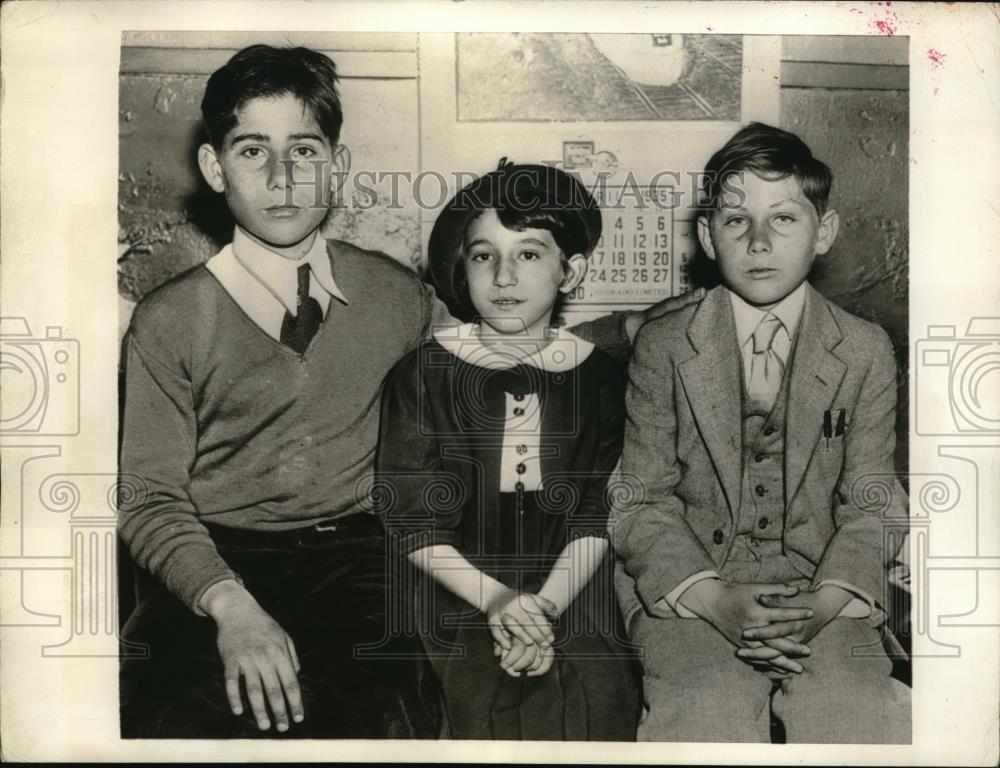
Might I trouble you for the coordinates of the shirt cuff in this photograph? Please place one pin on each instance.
(860, 606)
(672, 598)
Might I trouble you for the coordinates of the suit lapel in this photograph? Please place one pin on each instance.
(712, 383)
(815, 378)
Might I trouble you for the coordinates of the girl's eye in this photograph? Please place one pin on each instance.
(736, 221)
(530, 255)
(480, 256)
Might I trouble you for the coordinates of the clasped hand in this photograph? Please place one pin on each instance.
(519, 623)
(770, 629)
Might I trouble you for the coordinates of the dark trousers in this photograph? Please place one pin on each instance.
(360, 677)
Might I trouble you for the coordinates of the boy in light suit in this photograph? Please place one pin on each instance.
(753, 562)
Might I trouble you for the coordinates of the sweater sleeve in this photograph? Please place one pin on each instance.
(159, 434)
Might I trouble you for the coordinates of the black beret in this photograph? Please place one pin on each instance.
(510, 187)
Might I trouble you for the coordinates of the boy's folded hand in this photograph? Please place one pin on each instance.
(735, 608)
(825, 604)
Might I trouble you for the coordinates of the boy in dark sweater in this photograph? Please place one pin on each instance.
(251, 408)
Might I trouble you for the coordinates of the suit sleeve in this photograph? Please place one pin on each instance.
(867, 493)
(608, 334)
(159, 435)
(419, 503)
(657, 547)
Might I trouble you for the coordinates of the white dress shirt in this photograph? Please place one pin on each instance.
(748, 317)
(265, 285)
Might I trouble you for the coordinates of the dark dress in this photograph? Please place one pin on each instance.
(438, 472)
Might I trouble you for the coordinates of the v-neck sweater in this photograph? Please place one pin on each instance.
(224, 424)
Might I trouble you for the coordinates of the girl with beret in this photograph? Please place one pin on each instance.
(497, 441)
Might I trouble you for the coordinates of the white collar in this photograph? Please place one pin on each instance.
(563, 352)
(748, 317)
(278, 274)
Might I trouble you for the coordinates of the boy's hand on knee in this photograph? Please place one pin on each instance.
(253, 645)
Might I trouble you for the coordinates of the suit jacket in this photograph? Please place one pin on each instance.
(683, 451)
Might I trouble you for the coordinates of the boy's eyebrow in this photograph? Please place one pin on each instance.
(533, 240)
(786, 200)
(301, 136)
(249, 137)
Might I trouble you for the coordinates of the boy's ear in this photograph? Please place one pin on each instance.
(705, 236)
(573, 272)
(211, 168)
(827, 232)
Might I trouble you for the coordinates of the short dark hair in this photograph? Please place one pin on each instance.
(263, 71)
(768, 152)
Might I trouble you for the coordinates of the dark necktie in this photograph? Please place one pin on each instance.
(297, 331)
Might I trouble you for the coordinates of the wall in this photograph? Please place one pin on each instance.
(848, 99)
(846, 96)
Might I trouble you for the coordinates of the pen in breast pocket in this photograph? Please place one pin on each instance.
(827, 427)
(841, 422)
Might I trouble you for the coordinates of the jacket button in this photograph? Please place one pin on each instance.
(762, 523)
(770, 430)
(760, 490)
(718, 536)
